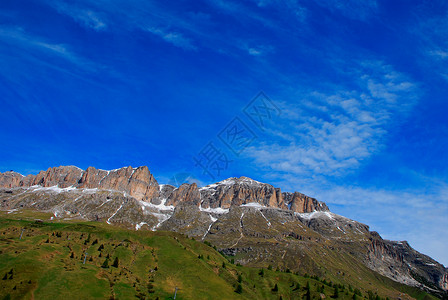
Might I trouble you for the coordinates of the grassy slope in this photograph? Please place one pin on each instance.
(151, 265)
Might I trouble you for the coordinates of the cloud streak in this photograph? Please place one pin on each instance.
(331, 134)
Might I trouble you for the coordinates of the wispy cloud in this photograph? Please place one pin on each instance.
(18, 37)
(331, 134)
(353, 9)
(438, 54)
(430, 30)
(86, 17)
(258, 50)
(175, 38)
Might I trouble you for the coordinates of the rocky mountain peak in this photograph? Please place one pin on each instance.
(136, 182)
(141, 184)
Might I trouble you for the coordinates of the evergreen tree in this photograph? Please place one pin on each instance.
(308, 295)
(297, 287)
(115, 264)
(261, 273)
(275, 289)
(336, 292)
(240, 278)
(239, 289)
(105, 263)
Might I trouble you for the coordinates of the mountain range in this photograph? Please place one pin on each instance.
(254, 223)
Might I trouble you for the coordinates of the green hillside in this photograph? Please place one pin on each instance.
(45, 260)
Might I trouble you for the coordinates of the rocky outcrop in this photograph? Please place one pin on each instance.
(399, 261)
(10, 179)
(62, 177)
(444, 282)
(243, 190)
(136, 182)
(141, 184)
(186, 193)
(301, 203)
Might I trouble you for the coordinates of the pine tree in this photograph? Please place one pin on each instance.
(261, 273)
(336, 292)
(297, 287)
(240, 278)
(275, 289)
(308, 294)
(105, 263)
(115, 264)
(239, 289)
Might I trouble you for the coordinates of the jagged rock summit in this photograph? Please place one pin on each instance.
(136, 182)
(141, 184)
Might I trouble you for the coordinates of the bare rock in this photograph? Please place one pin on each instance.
(10, 179)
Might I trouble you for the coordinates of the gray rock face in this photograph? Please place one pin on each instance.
(399, 261)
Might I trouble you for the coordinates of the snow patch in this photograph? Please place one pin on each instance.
(210, 226)
(217, 210)
(161, 218)
(139, 225)
(159, 207)
(267, 221)
(316, 214)
(54, 189)
(108, 200)
(253, 204)
(108, 220)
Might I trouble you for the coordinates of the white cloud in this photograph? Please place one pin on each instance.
(175, 38)
(259, 50)
(87, 18)
(331, 134)
(438, 54)
(20, 38)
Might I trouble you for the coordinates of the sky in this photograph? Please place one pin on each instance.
(344, 101)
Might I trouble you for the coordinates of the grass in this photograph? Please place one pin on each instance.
(47, 263)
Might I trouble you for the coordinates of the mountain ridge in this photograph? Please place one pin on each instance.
(141, 184)
(253, 222)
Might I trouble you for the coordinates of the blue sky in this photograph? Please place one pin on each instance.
(342, 100)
